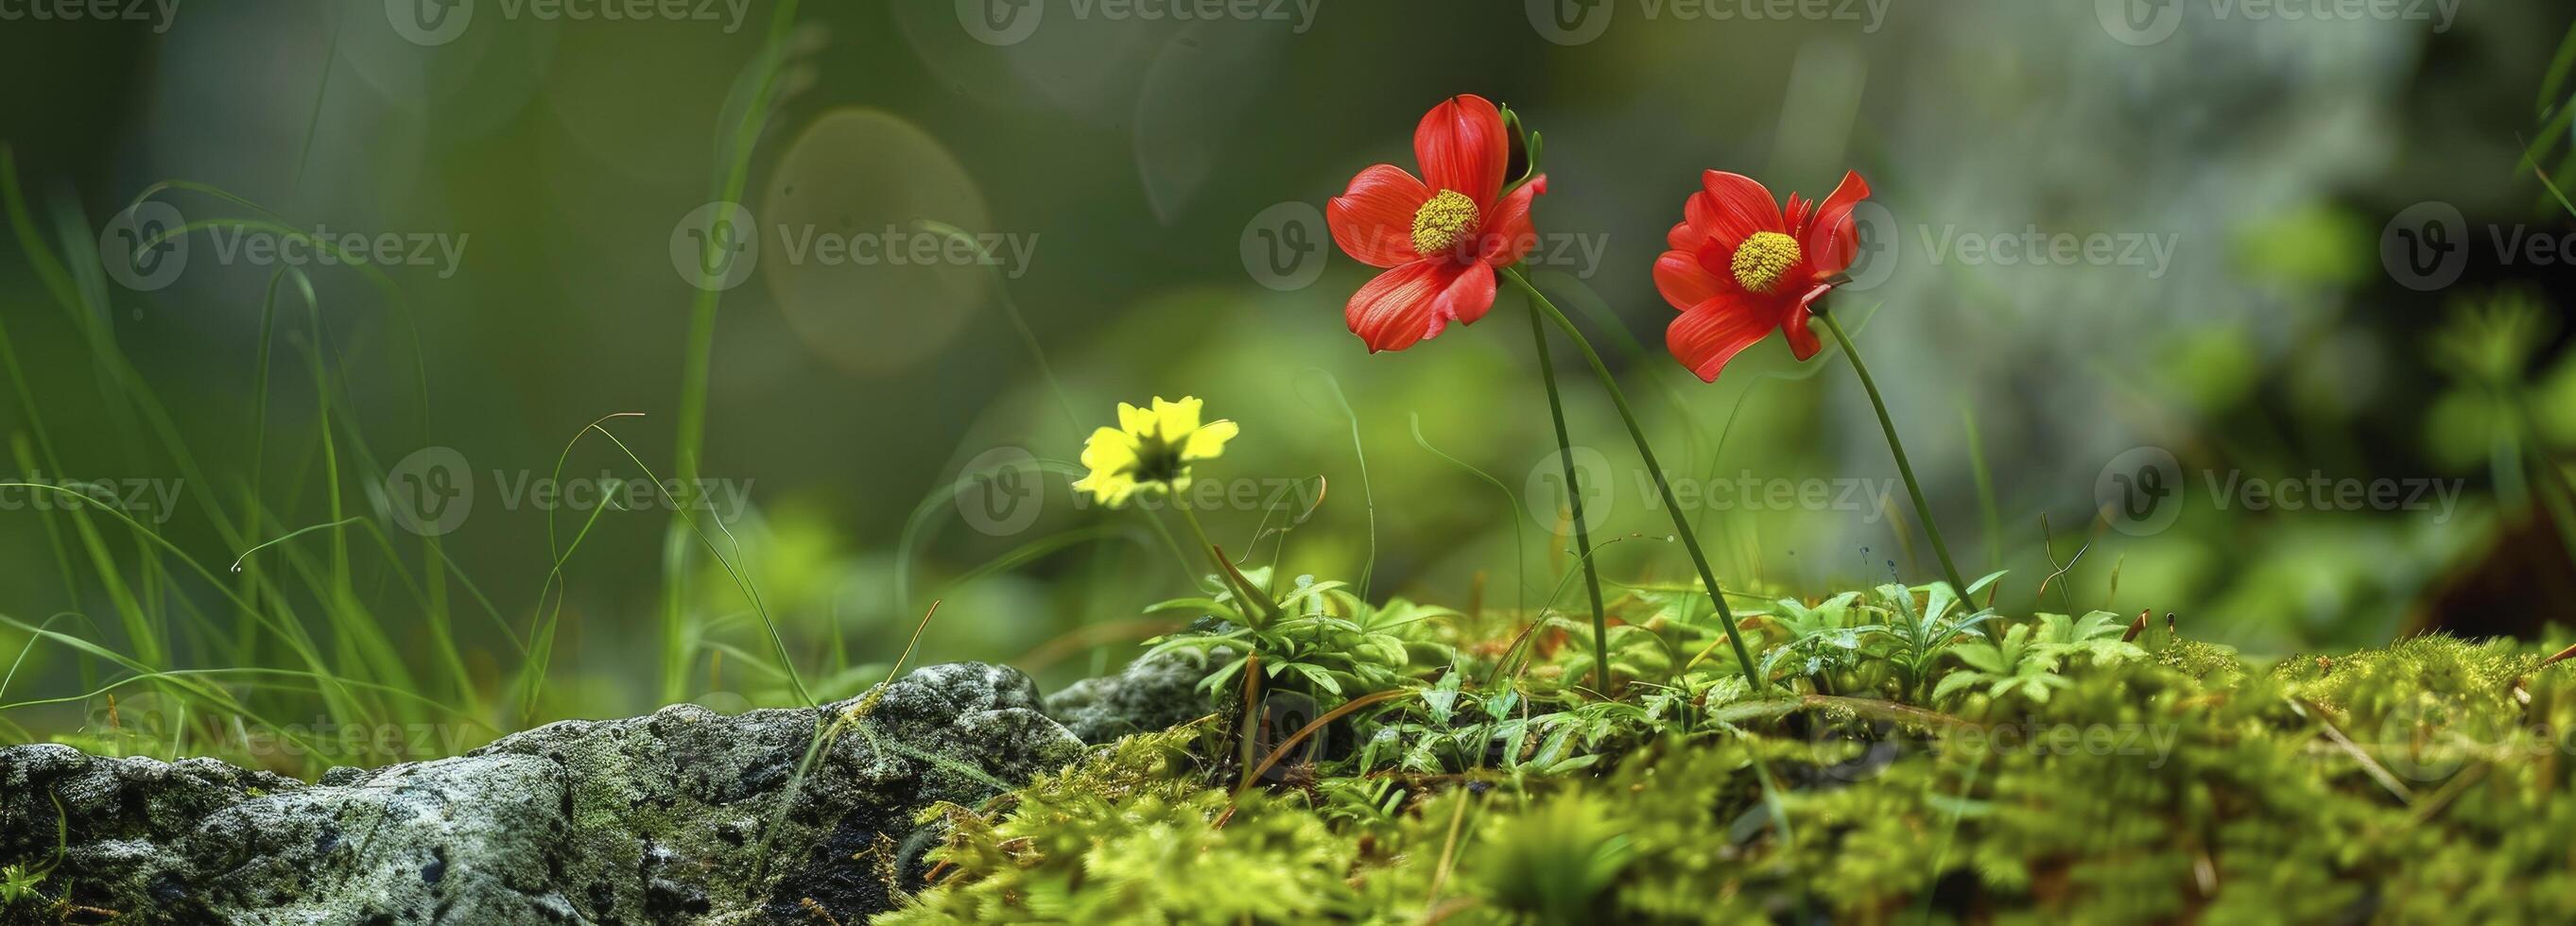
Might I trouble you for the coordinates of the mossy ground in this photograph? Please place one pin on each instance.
(2156, 780)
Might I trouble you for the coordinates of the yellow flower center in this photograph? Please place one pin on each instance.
(1443, 220)
(1761, 260)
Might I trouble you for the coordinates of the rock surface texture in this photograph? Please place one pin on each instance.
(1158, 691)
(684, 816)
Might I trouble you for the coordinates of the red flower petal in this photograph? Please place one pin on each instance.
(1373, 220)
(1832, 242)
(1684, 238)
(1463, 146)
(1508, 233)
(1467, 297)
(1802, 339)
(1732, 208)
(1417, 300)
(1684, 283)
(1705, 336)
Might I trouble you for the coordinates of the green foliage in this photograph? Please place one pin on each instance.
(18, 882)
(2025, 663)
(1336, 643)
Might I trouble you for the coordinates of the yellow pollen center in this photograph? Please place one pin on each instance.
(1443, 220)
(1761, 260)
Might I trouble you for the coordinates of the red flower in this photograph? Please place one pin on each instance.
(1739, 267)
(1441, 236)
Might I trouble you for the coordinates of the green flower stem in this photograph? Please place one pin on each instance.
(1646, 451)
(1574, 500)
(1252, 597)
(1922, 510)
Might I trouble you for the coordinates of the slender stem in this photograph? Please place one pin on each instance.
(1225, 572)
(1922, 510)
(1191, 518)
(1574, 502)
(1646, 451)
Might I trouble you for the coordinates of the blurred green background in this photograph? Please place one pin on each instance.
(2256, 293)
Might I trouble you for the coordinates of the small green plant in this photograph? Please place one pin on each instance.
(18, 880)
(1321, 632)
(1913, 642)
(2026, 660)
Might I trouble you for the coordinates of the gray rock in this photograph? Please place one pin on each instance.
(658, 819)
(1155, 692)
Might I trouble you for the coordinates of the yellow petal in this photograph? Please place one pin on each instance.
(1109, 487)
(1108, 449)
(1135, 420)
(1207, 442)
(1177, 418)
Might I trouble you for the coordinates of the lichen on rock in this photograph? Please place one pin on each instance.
(1157, 691)
(684, 815)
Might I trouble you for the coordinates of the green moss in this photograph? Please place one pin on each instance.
(2424, 781)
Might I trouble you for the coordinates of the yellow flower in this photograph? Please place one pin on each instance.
(1150, 449)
